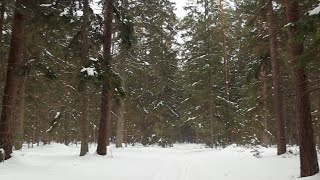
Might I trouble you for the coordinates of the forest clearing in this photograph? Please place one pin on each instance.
(159, 89)
(180, 162)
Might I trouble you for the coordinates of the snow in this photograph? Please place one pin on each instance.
(90, 71)
(57, 115)
(180, 162)
(315, 11)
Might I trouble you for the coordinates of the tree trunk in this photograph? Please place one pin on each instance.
(276, 80)
(264, 95)
(228, 120)
(84, 121)
(2, 11)
(120, 123)
(8, 104)
(121, 104)
(308, 155)
(211, 106)
(19, 114)
(106, 94)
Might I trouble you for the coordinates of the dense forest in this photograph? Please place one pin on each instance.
(130, 71)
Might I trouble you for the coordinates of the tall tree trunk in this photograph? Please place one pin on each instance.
(228, 120)
(106, 94)
(264, 95)
(120, 122)
(121, 104)
(211, 106)
(8, 103)
(19, 114)
(84, 121)
(2, 11)
(276, 80)
(308, 155)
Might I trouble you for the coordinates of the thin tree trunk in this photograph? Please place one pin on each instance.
(228, 120)
(2, 11)
(8, 103)
(264, 95)
(106, 94)
(120, 123)
(211, 115)
(84, 121)
(276, 80)
(308, 155)
(121, 104)
(66, 132)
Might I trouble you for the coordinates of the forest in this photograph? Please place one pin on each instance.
(136, 72)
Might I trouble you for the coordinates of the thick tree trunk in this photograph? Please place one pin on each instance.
(84, 121)
(276, 80)
(106, 94)
(8, 103)
(19, 114)
(264, 95)
(308, 155)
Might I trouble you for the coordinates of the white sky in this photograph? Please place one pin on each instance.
(180, 12)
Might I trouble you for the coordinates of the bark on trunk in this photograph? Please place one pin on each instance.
(308, 155)
(121, 104)
(211, 115)
(120, 123)
(2, 19)
(19, 114)
(105, 113)
(228, 119)
(84, 121)
(276, 80)
(8, 104)
(264, 95)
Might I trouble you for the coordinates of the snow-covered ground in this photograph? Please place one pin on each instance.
(181, 162)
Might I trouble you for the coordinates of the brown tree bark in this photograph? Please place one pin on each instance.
(228, 119)
(106, 93)
(19, 114)
(308, 155)
(84, 120)
(276, 80)
(15, 56)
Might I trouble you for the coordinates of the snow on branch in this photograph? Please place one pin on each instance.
(315, 11)
(55, 122)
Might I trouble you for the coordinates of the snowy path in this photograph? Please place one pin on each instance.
(182, 162)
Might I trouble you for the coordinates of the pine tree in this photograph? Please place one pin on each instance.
(15, 58)
(106, 93)
(308, 155)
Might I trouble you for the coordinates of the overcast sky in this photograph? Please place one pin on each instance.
(179, 5)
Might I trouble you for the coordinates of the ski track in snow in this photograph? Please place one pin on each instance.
(181, 162)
